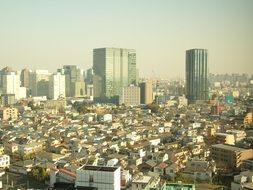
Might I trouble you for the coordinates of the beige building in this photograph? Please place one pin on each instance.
(8, 113)
(229, 157)
(130, 96)
(248, 118)
(224, 138)
(146, 92)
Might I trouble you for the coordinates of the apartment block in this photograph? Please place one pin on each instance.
(8, 113)
(230, 157)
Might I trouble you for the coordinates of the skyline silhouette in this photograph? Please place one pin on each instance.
(50, 34)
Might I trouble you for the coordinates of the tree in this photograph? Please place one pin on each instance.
(31, 105)
(81, 107)
(153, 107)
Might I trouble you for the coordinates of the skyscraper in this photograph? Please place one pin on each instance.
(196, 75)
(11, 84)
(39, 82)
(74, 81)
(24, 77)
(114, 68)
(57, 86)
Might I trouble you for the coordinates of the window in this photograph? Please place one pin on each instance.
(91, 179)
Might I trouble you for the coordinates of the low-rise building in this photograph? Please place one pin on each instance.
(243, 181)
(4, 161)
(224, 138)
(99, 177)
(180, 185)
(143, 182)
(7, 113)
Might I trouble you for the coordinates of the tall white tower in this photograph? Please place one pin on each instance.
(57, 86)
(11, 84)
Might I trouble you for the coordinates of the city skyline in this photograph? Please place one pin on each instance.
(50, 34)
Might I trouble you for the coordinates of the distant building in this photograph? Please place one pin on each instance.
(89, 83)
(224, 138)
(11, 84)
(89, 76)
(7, 99)
(8, 113)
(179, 185)
(141, 182)
(39, 83)
(3, 72)
(4, 161)
(25, 78)
(146, 92)
(196, 75)
(98, 177)
(130, 96)
(89, 90)
(114, 68)
(229, 157)
(56, 86)
(74, 81)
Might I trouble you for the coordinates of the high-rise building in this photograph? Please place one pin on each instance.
(74, 81)
(57, 86)
(114, 68)
(196, 75)
(11, 84)
(3, 72)
(25, 78)
(130, 96)
(39, 83)
(146, 92)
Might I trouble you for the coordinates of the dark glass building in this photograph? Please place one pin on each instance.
(196, 75)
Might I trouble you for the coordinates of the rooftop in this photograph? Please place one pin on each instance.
(228, 147)
(100, 168)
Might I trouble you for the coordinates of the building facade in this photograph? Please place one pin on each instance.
(8, 113)
(11, 84)
(98, 177)
(4, 161)
(130, 96)
(39, 83)
(230, 157)
(56, 86)
(196, 75)
(25, 78)
(7, 99)
(74, 81)
(146, 92)
(114, 68)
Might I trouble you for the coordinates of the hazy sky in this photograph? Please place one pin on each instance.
(47, 34)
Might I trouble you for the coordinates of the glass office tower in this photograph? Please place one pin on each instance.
(114, 68)
(196, 75)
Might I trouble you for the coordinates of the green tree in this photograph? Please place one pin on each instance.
(153, 107)
(31, 105)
